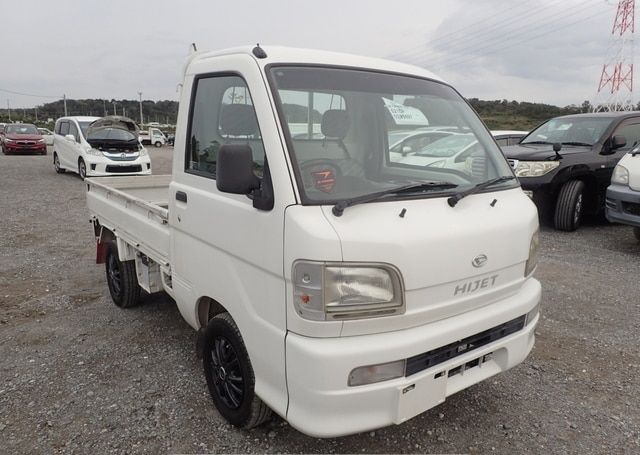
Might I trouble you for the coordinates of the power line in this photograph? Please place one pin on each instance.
(29, 94)
(421, 51)
(453, 62)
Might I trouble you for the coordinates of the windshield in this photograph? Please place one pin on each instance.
(21, 129)
(84, 126)
(578, 130)
(353, 133)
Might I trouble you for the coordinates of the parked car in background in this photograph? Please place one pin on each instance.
(22, 138)
(409, 141)
(623, 195)
(508, 137)
(452, 151)
(47, 135)
(565, 164)
(152, 136)
(94, 146)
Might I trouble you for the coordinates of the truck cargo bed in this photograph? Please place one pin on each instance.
(135, 209)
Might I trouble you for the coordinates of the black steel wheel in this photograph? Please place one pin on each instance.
(570, 206)
(121, 279)
(56, 164)
(229, 374)
(82, 169)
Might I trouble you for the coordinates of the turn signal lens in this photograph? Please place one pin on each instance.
(532, 262)
(376, 373)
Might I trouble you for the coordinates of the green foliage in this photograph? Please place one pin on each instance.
(514, 115)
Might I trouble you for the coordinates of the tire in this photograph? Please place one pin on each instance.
(121, 279)
(82, 169)
(158, 144)
(229, 374)
(569, 206)
(636, 233)
(56, 164)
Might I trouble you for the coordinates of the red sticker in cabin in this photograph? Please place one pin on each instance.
(324, 180)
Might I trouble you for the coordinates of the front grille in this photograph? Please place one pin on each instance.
(631, 208)
(28, 143)
(124, 169)
(440, 355)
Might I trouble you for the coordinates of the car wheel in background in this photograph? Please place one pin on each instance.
(82, 169)
(229, 374)
(570, 206)
(56, 164)
(158, 144)
(636, 232)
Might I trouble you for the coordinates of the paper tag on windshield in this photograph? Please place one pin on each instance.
(405, 115)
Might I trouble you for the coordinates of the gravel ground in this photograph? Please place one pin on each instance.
(79, 375)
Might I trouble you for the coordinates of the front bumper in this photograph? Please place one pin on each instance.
(321, 403)
(100, 167)
(623, 205)
(17, 148)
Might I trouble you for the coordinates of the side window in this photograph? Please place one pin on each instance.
(222, 113)
(74, 130)
(631, 133)
(64, 128)
(503, 141)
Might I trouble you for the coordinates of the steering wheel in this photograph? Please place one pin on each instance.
(320, 174)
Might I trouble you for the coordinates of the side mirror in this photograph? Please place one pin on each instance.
(618, 141)
(71, 137)
(234, 170)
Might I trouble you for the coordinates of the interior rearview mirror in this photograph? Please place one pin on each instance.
(234, 170)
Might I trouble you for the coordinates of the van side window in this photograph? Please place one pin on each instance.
(74, 131)
(631, 133)
(64, 128)
(222, 113)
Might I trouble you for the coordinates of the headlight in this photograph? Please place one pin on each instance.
(40, 141)
(535, 168)
(94, 152)
(620, 175)
(6, 139)
(337, 291)
(532, 262)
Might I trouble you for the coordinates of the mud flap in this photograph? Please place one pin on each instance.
(101, 253)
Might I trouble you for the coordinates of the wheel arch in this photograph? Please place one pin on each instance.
(207, 308)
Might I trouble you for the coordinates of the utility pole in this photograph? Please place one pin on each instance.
(124, 112)
(114, 107)
(36, 115)
(64, 98)
(104, 105)
(141, 119)
(9, 109)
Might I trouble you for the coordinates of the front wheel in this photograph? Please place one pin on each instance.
(230, 375)
(569, 206)
(56, 164)
(636, 232)
(121, 279)
(158, 144)
(82, 169)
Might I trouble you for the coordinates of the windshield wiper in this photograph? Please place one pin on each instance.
(453, 200)
(536, 142)
(338, 209)
(577, 143)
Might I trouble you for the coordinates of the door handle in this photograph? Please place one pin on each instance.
(181, 196)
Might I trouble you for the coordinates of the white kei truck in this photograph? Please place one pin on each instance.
(328, 282)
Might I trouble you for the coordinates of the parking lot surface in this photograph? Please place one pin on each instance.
(79, 375)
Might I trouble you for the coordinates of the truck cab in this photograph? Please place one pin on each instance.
(329, 281)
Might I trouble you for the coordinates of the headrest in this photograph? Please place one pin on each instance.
(335, 123)
(238, 120)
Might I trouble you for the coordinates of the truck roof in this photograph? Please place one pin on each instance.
(280, 54)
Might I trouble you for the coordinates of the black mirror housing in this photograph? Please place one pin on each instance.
(618, 141)
(234, 170)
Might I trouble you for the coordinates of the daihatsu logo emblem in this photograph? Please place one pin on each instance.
(479, 260)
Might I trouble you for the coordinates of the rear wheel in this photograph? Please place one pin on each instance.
(158, 144)
(636, 232)
(56, 164)
(230, 376)
(121, 279)
(82, 169)
(570, 206)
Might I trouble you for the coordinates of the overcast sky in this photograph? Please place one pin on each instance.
(548, 51)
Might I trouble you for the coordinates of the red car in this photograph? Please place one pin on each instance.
(22, 138)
